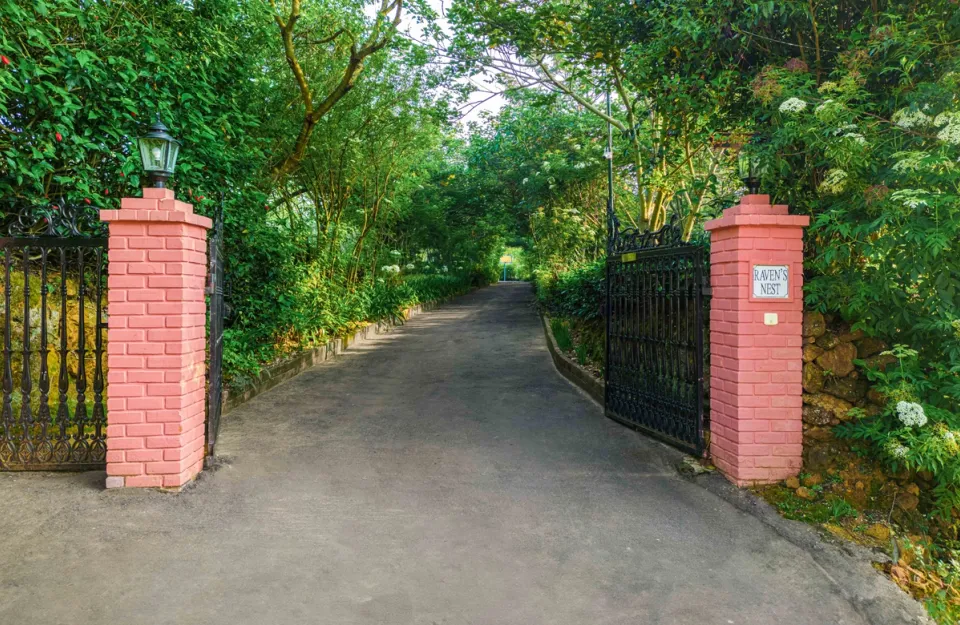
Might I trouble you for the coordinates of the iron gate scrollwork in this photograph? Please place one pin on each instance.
(54, 334)
(657, 326)
(215, 349)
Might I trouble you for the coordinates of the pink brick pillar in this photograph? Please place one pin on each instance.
(155, 341)
(756, 310)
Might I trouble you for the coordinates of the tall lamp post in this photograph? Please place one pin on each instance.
(609, 155)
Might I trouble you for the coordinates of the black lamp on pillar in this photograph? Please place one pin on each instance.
(158, 153)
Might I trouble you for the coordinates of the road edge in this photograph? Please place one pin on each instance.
(847, 565)
(569, 369)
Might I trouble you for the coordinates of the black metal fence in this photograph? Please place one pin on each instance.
(54, 340)
(657, 335)
(216, 311)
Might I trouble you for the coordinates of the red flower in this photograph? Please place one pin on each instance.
(199, 197)
(123, 175)
(87, 200)
(5, 60)
(59, 137)
(266, 207)
(106, 191)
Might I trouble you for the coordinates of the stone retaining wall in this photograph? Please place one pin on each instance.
(833, 384)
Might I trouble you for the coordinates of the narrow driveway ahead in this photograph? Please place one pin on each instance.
(442, 474)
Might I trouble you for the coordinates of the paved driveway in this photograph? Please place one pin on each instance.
(442, 474)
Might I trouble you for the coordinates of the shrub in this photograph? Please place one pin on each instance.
(579, 292)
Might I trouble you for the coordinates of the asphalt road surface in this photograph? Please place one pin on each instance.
(441, 474)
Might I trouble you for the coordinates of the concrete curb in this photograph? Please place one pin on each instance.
(284, 370)
(571, 370)
(847, 565)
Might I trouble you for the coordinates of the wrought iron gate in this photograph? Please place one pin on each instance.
(54, 278)
(657, 325)
(215, 350)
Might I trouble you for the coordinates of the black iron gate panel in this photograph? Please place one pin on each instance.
(657, 342)
(54, 340)
(216, 315)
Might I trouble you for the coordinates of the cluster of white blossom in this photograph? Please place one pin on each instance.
(834, 181)
(857, 137)
(911, 118)
(395, 253)
(580, 166)
(792, 105)
(950, 437)
(896, 449)
(950, 133)
(911, 414)
(825, 107)
(911, 161)
(392, 269)
(525, 181)
(410, 267)
(911, 198)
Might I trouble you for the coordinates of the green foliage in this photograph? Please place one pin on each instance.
(912, 434)
(340, 238)
(561, 332)
(579, 292)
(320, 313)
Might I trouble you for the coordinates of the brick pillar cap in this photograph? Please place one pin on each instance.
(733, 217)
(155, 216)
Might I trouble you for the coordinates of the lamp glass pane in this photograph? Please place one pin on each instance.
(153, 154)
(173, 150)
(744, 164)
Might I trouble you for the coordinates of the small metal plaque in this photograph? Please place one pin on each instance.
(771, 281)
(628, 258)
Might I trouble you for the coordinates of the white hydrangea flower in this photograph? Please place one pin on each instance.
(912, 161)
(826, 104)
(410, 267)
(897, 450)
(392, 269)
(950, 133)
(857, 137)
(911, 414)
(792, 105)
(945, 118)
(907, 118)
(834, 181)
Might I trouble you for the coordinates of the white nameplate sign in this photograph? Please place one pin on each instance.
(771, 281)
